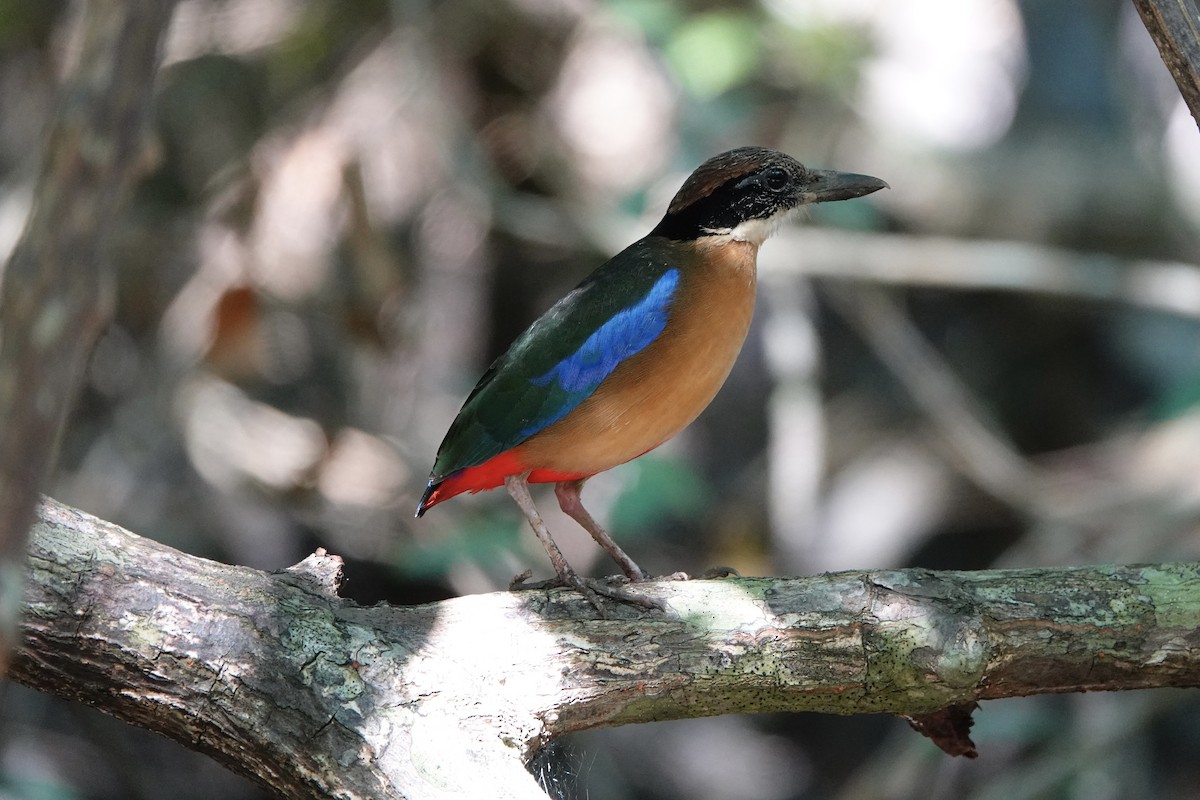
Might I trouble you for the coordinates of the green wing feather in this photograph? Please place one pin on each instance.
(516, 396)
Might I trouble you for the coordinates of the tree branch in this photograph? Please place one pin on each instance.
(317, 697)
(1174, 25)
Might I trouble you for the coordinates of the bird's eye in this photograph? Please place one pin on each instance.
(775, 179)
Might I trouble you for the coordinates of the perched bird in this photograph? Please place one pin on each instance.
(635, 352)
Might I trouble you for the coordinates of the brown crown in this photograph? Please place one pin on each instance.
(721, 169)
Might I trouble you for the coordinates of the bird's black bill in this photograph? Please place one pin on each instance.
(827, 185)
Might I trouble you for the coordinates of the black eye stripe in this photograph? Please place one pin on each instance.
(749, 180)
(735, 187)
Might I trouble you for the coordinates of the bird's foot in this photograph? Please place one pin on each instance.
(618, 593)
(521, 582)
(591, 589)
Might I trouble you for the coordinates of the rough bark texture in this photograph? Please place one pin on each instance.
(57, 288)
(317, 697)
(1175, 27)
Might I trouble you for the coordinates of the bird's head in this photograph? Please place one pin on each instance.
(744, 194)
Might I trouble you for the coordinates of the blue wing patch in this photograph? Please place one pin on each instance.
(627, 333)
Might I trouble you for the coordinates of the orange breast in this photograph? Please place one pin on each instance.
(655, 394)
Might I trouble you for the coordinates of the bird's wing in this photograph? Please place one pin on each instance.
(560, 360)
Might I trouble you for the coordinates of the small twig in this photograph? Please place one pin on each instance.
(986, 455)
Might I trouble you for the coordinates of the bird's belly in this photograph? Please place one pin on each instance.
(655, 394)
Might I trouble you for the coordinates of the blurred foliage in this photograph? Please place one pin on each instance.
(27, 23)
(480, 540)
(355, 206)
(661, 489)
(713, 52)
(35, 790)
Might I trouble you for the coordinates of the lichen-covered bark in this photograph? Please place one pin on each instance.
(271, 674)
(317, 697)
(56, 294)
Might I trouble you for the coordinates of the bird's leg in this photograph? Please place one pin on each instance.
(569, 501)
(518, 487)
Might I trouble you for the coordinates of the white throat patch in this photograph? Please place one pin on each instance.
(755, 231)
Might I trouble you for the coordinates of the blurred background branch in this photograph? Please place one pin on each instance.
(911, 261)
(975, 439)
(58, 284)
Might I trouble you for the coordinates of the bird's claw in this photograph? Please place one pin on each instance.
(591, 589)
(520, 583)
(621, 594)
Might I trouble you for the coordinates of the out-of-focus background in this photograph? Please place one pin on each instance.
(356, 205)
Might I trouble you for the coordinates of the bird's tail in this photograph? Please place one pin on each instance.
(488, 475)
(427, 499)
